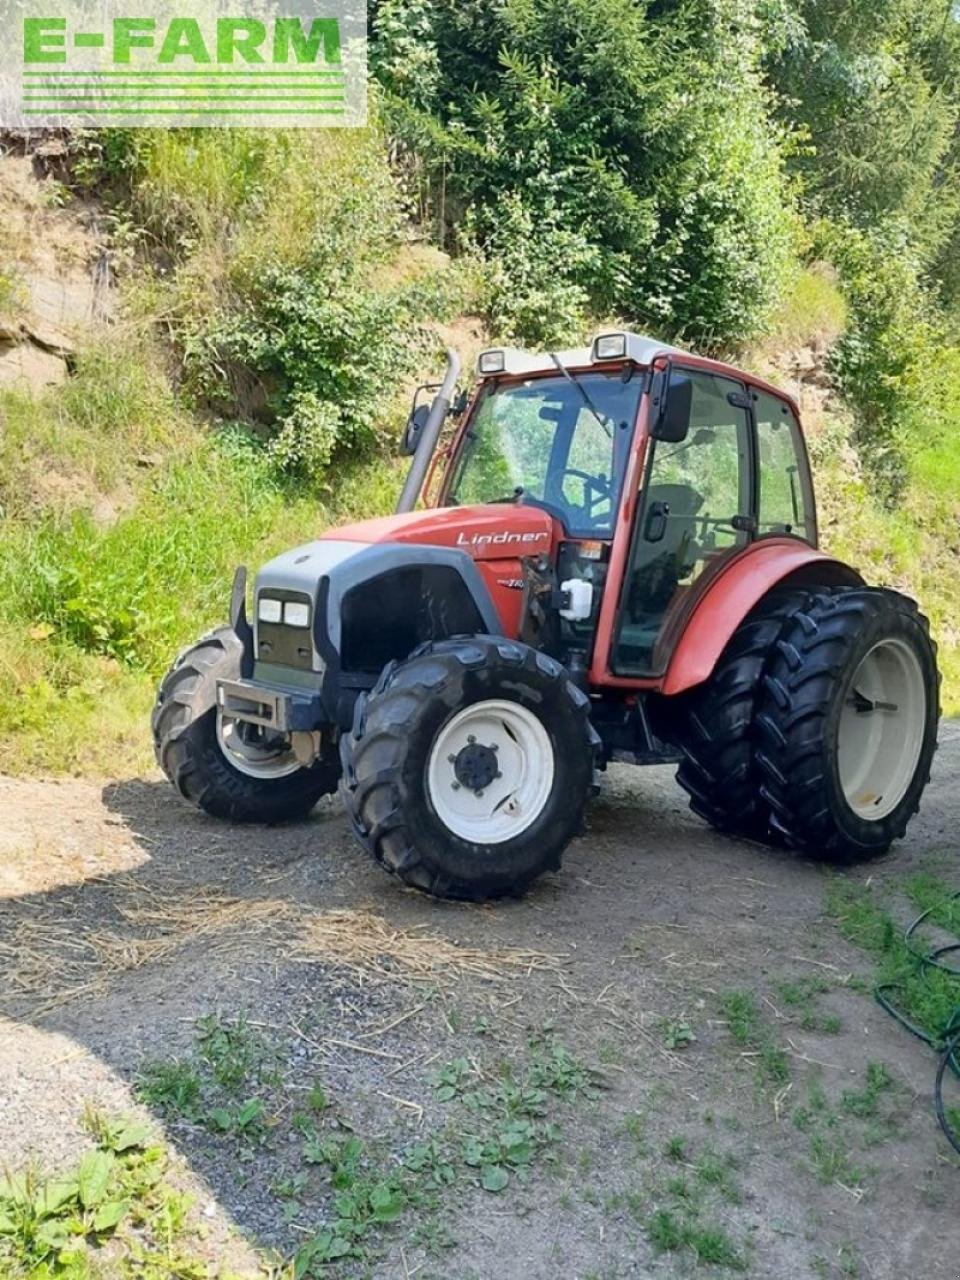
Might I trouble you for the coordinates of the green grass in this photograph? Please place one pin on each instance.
(714, 1170)
(799, 997)
(124, 522)
(813, 310)
(669, 1231)
(908, 547)
(865, 1103)
(116, 1212)
(675, 1148)
(832, 1163)
(748, 1029)
(502, 1125)
(172, 1087)
(926, 996)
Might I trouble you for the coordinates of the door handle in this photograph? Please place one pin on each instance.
(744, 524)
(655, 525)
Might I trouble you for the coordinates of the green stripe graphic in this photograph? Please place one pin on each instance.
(47, 91)
(175, 97)
(179, 111)
(211, 75)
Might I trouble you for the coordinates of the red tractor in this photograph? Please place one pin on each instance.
(620, 562)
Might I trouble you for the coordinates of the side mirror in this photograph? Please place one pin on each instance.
(672, 405)
(411, 432)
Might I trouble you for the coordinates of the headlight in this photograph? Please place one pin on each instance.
(610, 346)
(296, 614)
(269, 610)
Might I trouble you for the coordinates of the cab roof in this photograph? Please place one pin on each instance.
(636, 347)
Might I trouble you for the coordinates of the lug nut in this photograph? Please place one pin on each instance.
(455, 786)
(498, 774)
(451, 759)
(479, 794)
(471, 738)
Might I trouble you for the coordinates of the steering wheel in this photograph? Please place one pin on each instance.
(596, 489)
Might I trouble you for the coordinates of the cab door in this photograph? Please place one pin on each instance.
(697, 510)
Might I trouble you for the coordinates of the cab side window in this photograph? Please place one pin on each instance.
(786, 497)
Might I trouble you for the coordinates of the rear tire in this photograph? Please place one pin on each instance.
(715, 729)
(190, 751)
(422, 776)
(847, 723)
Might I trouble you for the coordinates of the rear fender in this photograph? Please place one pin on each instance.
(735, 591)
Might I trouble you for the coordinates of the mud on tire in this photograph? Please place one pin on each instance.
(386, 755)
(824, 789)
(184, 724)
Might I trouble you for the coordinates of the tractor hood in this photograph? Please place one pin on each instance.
(493, 531)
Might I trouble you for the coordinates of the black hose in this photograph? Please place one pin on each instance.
(948, 1042)
(949, 1059)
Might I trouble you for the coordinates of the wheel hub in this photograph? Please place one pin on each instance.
(880, 732)
(475, 765)
(253, 752)
(490, 771)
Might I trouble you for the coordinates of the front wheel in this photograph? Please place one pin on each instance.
(468, 767)
(847, 723)
(227, 767)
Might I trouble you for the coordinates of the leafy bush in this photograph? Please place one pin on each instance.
(287, 288)
(883, 356)
(332, 351)
(529, 291)
(630, 130)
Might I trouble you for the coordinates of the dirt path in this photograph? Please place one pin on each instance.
(125, 918)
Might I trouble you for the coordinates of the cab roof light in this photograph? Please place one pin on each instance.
(610, 346)
(490, 362)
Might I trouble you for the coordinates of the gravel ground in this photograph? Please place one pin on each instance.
(125, 918)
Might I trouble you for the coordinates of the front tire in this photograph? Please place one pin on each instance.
(195, 751)
(847, 723)
(469, 766)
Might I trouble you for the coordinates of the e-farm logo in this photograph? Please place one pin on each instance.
(104, 64)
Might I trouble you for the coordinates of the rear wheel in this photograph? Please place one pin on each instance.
(847, 723)
(469, 766)
(227, 767)
(713, 724)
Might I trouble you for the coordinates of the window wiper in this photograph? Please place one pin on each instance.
(604, 422)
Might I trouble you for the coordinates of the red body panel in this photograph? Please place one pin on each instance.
(731, 595)
(496, 535)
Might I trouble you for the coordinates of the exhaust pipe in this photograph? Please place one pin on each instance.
(430, 435)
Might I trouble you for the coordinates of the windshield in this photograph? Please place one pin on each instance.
(564, 443)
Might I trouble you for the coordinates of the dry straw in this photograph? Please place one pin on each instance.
(369, 944)
(49, 962)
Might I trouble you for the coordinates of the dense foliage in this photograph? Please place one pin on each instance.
(637, 143)
(674, 161)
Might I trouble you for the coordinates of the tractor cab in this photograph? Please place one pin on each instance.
(715, 460)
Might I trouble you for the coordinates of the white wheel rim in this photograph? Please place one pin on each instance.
(881, 730)
(256, 760)
(522, 756)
